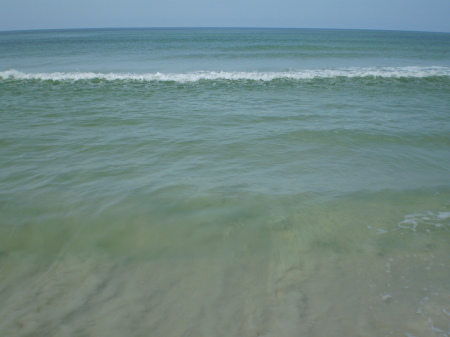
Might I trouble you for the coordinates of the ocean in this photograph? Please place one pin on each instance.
(224, 182)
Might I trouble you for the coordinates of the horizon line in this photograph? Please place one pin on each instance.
(219, 27)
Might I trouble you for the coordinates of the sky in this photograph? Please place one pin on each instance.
(414, 15)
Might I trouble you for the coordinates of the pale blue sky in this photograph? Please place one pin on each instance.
(420, 15)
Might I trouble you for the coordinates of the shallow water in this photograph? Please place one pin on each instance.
(224, 183)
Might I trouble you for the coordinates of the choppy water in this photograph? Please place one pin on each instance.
(224, 182)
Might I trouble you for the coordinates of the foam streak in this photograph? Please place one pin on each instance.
(384, 72)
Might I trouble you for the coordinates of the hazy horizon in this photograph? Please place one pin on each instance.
(217, 27)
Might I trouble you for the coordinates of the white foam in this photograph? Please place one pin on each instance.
(383, 72)
(386, 298)
(427, 221)
(443, 215)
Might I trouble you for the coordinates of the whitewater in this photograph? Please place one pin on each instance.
(381, 72)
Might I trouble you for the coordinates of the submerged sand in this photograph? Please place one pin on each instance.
(329, 286)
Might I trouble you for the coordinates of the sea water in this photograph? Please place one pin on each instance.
(224, 182)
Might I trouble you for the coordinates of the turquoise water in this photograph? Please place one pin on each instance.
(224, 182)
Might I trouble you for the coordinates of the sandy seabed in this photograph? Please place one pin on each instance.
(323, 287)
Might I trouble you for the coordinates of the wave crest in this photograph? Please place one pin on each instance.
(384, 72)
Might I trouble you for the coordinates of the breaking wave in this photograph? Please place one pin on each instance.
(383, 72)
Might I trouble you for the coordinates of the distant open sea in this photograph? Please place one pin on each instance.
(224, 182)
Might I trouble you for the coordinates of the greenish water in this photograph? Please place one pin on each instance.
(224, 182)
